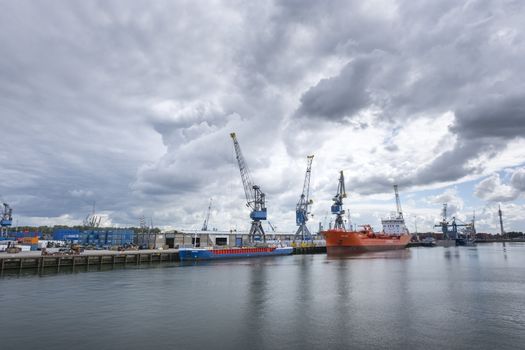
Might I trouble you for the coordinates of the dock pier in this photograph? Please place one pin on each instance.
(22, 261)
(34, 260)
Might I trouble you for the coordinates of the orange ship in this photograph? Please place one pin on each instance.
(339, 241)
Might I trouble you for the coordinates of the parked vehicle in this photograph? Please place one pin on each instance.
(12, 249)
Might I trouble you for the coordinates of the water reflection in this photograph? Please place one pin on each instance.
(388, 254)
(422, 298)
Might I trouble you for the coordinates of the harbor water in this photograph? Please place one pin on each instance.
(418, 298)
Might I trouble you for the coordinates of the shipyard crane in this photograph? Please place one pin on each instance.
(6, 220)
(92, 220)
(398, 203)
(301, 210)
(444, 224)
(255, 198)
(337, 207)
(207, 218)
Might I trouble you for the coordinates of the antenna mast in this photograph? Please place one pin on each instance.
(500, 213)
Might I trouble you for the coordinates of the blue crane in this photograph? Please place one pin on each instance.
(337, 207)
(444, 225)
(207, 219)
(301, 210)
(6, 220)
(255, 198)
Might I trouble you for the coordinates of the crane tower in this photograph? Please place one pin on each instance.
(302, 208)
(6, 219)
(398, 203)
(207, 219)
(337, 207)
(255, 198)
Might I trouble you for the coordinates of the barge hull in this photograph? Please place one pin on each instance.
(189, 254)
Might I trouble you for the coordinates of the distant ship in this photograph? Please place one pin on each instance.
(193, 254)
(394, 235)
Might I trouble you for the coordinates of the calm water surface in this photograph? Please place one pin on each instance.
(431, 298)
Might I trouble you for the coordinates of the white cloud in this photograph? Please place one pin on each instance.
(494, 190)
(132, 105)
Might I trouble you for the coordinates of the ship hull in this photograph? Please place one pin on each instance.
(195, 254)
(340, 242)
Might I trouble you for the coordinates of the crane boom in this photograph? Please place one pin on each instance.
(255, 198)
(207, 218)
(398, 203)
(301, 210)
(245, 172)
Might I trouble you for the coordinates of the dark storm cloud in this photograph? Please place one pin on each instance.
(518, 180)
(447, 56)
(482, 129)
(501, 117)
(341, 96)
(130, 104)
(496, 189)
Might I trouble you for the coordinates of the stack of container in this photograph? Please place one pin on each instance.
(99, 238)
(119, 237)
(67, 234)
(28, 239)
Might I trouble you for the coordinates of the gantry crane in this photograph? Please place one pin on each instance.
(302, 208)
(207, 218)
(255, 198)
(337, 207)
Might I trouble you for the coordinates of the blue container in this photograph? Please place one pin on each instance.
(66, 234)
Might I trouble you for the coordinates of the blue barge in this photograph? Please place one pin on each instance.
(193, 254)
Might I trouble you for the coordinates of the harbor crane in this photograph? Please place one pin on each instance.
(337, 207)
(7, 219)
(207, 219)
(398, 203)
(92, 220)
(255, 198)
(302, 208)
(444, 225)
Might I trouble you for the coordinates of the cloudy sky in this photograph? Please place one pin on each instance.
(129, 104)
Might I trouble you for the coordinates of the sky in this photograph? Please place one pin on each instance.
(129, 105)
